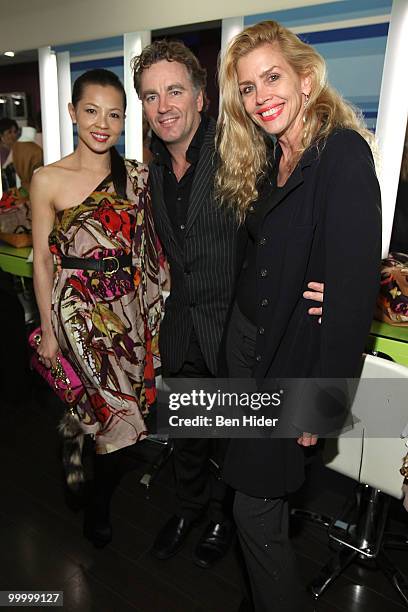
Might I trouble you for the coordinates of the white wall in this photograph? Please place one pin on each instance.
(29, 24)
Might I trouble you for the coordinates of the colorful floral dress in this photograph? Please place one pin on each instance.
(107, 325)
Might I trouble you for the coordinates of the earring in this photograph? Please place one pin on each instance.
(305, 103)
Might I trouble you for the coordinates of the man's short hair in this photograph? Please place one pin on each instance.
(7, 124)
(171, 51)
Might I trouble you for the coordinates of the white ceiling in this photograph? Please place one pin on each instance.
(29, 24)
(9, 8)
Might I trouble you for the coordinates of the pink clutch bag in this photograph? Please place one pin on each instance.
(63, 378)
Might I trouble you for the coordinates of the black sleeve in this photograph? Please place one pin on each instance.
(352, 244)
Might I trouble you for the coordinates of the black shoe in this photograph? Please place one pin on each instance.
(246, 606)
(99, 533)
(171, 537)
(213, 544)
(97, 527)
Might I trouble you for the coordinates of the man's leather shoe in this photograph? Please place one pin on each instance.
(171, 537)
(213, 544)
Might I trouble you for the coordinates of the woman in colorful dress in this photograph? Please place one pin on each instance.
(102, 307)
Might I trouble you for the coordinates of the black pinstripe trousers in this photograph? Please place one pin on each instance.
(198, 488)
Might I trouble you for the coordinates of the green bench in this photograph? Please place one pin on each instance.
(393, 341)
(14, 260)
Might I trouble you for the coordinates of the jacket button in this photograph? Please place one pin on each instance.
(182, 227)
(187, 271)
(193, 304)
(245, 265)
(263, 241)
(264, 302)
(261, 331)
(258, 358)
(263, 272)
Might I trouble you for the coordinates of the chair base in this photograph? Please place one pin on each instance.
(338, 563)
(364, 540)
(320, 520)
(167, 450)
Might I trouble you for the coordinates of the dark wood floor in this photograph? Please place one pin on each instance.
(42, 548)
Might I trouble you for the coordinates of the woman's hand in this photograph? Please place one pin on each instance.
(48, 350)
(307, 439)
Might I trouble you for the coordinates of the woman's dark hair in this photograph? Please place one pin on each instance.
(100, 76)
(7, 124)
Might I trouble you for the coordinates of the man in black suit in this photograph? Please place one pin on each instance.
(199, 239)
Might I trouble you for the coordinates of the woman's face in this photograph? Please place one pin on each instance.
(99, 116)
(272, 93)
(9, 137)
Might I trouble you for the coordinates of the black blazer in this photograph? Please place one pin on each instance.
(202, 274)
(323, 225)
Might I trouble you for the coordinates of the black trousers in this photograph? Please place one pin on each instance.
(263, 532)
(199, 488)
(262, 523)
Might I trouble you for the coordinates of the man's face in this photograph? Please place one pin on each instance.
(171, 104)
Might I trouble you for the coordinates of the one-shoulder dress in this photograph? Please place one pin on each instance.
(107, 324)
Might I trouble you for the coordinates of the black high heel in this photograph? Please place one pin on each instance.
(108, 470)
(97, 526)
(96, 531)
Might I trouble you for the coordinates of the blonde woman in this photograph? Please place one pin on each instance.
(297, 169)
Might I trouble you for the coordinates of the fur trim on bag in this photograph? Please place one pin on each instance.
(72, 445)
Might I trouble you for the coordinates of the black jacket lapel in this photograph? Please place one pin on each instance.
(203, 176)
(295, 179)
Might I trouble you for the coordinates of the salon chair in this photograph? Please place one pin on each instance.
(163, 443)
(374, 463)
(166, 446)
(166, 450)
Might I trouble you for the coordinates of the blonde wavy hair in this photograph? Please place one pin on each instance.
(241, 143)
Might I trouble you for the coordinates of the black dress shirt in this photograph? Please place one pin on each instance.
(177, 193)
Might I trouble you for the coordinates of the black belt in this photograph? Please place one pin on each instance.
(106, 265)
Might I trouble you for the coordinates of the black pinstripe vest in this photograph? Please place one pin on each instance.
(202, 274)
